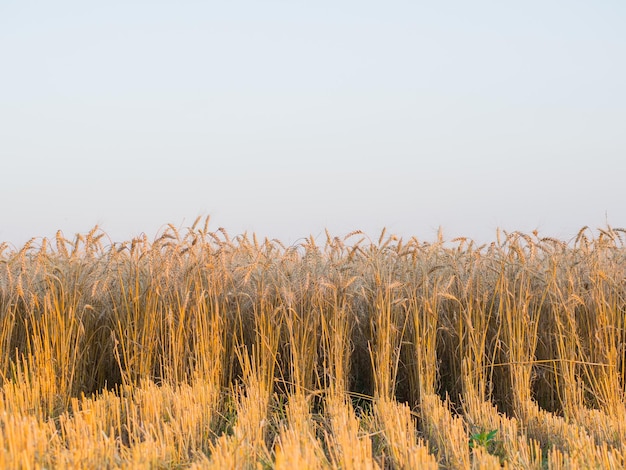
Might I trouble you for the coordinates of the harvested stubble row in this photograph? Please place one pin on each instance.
(197, 350)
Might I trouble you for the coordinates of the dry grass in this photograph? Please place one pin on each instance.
(197, 350)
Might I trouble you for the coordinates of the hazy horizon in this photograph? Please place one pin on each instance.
(289, 118)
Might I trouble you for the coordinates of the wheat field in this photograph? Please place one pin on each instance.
(198, 350)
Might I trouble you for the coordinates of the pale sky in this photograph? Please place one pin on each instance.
(288, 117)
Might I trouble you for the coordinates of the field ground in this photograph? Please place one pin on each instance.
(196, 350)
